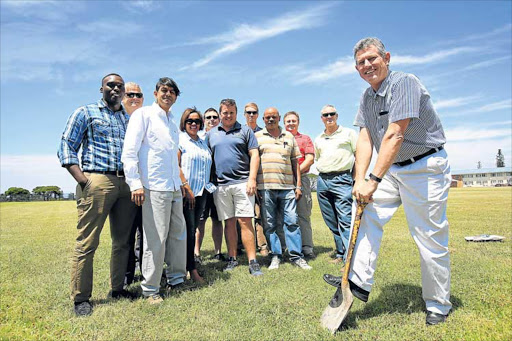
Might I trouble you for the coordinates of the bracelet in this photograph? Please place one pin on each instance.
(375, 178)
(184, 183)
(298, 187)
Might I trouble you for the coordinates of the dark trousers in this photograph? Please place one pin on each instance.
(136, 242)
(192, 217)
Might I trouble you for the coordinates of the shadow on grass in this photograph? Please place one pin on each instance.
(394, 298)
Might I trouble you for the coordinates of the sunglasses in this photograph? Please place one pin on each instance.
(212, 117)
(251, 113)
(329, 114)
(190, 121)
(134, 94)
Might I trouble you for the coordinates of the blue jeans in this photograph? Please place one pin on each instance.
(334, 194)
(275, 203)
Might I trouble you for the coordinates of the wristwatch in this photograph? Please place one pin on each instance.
(375, 178)
(298, 187)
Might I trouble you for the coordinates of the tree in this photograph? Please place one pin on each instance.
(48, 192)
(17, 191)
(479, 165)
(500, 159)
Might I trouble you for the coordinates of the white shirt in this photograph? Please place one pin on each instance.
(150, 151)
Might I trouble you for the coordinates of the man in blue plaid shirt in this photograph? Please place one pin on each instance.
(98, 129)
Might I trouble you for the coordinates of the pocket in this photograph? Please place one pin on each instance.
(100, 127)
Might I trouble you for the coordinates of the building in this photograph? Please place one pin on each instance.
(484, 177)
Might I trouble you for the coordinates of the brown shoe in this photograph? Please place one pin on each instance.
(337, 261)
(155, 299)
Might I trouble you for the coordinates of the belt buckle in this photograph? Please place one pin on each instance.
(118, 174)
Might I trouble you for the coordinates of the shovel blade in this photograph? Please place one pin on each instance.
(334, 315)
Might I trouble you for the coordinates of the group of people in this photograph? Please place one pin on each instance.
(159, 181)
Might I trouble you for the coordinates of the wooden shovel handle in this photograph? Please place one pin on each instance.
(353, 238)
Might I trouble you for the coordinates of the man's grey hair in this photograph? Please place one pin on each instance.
(365, 43)
(132, 84)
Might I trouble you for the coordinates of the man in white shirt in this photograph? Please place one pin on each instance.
(150, 159)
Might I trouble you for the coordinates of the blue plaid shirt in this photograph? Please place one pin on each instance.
(100, 132)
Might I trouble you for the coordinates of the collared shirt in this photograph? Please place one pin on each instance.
(276, 155)
(305, 146)
(335, 152)
(196, 162)
(150, 154)
(100, 132)
(230, 152)
(256, 129)
(401, 96)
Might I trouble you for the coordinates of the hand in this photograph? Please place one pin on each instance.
(298, 194)
(363, 190)
(138, 196)
(251, 187)
(187, 193)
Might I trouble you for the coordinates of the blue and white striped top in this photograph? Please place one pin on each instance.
(401, 96)
(196, 163)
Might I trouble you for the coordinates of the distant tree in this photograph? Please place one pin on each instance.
(479, 164)
(17, 191)
(48, 192)
(500, 159)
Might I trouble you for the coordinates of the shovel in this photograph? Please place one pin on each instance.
(338, 307)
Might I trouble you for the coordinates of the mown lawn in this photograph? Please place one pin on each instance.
(36, 241)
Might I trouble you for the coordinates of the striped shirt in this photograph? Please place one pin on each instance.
(196, 163)
(276, 153)
(401, 96)
(335, 153)
(99, 132)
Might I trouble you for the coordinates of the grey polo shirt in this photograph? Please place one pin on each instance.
(401, 96)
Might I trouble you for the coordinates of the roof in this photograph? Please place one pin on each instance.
(481, 170)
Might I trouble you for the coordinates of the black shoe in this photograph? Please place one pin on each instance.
(254, 268)
(219, 256)
(310, 255)
(122, 294)
(335, 281)
(232, 263)
(198, 260)
(435, 318)
(83, 308)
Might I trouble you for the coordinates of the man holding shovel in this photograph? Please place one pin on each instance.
(397, 117)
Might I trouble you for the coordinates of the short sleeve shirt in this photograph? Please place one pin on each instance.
(305, 146)
(276, 155)
(335, 153)
(230, 152)
(401, 96)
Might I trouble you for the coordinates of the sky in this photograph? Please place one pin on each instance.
(292, 55)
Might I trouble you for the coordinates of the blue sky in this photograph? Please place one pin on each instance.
(293, 55)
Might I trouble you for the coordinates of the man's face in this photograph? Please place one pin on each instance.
(329, 117)
(291, 123)
(165, 97)
(271, 118)
(131, 101)
(211, 119)
(251, 115)
(112, 88)
(228, 115)
(372, 67)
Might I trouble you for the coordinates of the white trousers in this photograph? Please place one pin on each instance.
(165, 239)
(422, 187)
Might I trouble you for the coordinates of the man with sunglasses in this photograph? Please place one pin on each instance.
(150, 158)
(98, 130)
(334, 156)
(397, 117)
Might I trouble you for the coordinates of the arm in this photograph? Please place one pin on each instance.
(308, 162)
(254, 154)
(77, 173)
(70, 143)
(391, 143)
(186, 191)
(298, 180)
(130, 156)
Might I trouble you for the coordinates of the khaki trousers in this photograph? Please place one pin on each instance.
(102, 196)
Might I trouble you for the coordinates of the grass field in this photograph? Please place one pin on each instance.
(37, 239)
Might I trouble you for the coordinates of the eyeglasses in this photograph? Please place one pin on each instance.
(266, 118)
(190, 121)
(329, 114)
(134, 94)
(212, 117)
(251, 113)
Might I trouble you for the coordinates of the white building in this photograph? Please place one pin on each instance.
(488, 177)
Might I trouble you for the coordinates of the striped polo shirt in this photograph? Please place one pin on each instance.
(276, 155)
(401, 96)
(196, 163)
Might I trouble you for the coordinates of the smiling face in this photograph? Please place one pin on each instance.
(329, 117)
(211, 119)
(291, 123)
(228, 115)
(193, 124)
(130, 101)
(165, 97)
(112, 88)
(372, 67)
(251, 115)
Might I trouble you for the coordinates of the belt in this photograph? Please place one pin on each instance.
(119, 174)
(335, 173)
(419, 157)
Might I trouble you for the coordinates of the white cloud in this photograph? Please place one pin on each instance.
(505, 104)
(97, 27)
(455, 102)
(245, 34)
(429, 58)
(136, 6)
(471, 134)
(48, 10)
(343, 66)
(485, 63)
(481, 150)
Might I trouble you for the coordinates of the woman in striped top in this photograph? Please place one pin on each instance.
(195, 163)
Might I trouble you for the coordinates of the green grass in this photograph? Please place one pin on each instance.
(37, 239)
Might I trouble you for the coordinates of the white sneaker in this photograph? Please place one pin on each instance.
(275, 263)
(301, 263)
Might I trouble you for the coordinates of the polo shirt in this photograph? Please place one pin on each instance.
(401, 96)
(335, 152)
(276, 155)
(230, 152)
(305, 146)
